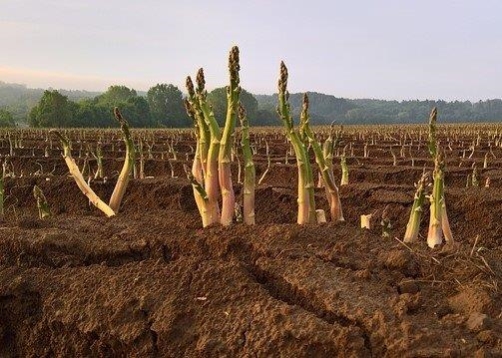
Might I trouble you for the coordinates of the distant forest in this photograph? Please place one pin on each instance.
(162, 106)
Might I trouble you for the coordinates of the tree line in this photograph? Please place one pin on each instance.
(162, 106)
(327, 108)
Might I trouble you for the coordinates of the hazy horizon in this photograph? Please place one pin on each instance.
(391, 50)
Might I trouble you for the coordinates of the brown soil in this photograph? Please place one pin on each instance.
(151, 282)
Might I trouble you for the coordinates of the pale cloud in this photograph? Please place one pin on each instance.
(7, 28)
(388, 49)
(46, 79)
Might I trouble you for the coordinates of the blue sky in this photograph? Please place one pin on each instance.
(389, 49)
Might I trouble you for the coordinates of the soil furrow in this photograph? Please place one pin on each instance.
(284, 291)
(337, 296)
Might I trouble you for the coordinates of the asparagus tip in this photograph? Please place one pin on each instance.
(283, 79)
(189, 86)
(201, 81)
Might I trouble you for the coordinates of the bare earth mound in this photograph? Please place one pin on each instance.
(151, 282)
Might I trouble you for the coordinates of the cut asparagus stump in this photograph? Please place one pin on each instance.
(123, 179)
(249, 171)
(438, 224)
(413, 227)
(118, 193)
(326, 171)
(43, 206)
(306, 214)
(79, 179)
(224, 160)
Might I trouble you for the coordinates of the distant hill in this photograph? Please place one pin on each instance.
(327, 108)
(323, 108)
(19, 99)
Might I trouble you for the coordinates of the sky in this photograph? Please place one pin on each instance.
(386, 49)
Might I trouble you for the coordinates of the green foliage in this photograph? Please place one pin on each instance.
(6, 118)
(323, 108)
(166, 106)
(94, 109)
(326, 108)
(266, 117)
(53, 110)
(91, 114)
(137, 112)
(134, 108)
(116, 94)
(218, 100)
(19, 100)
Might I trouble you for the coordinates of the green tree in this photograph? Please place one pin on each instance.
(6, 118)
(266, 117)
(91, 114)
(134, 108)
(218, 100)
(166, 106)
(116, 94)
(136, 111)
(53, 110)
